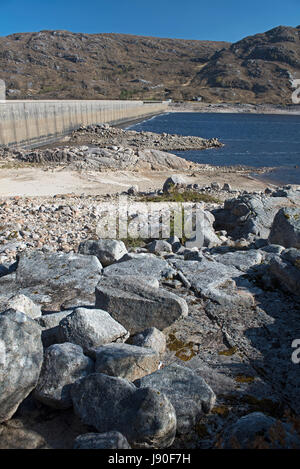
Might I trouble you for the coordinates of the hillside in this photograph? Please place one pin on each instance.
(257, 69)
(65, 65)
(61, 64)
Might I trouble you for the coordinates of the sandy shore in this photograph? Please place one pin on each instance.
(48, 182)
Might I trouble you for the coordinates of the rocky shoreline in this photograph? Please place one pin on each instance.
(143, 341)
(210, 323)
(234, 108)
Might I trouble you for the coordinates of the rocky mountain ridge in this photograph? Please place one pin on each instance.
(66, 65)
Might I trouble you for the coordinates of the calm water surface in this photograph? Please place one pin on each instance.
(255, 140)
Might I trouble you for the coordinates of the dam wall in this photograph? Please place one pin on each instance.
(32, 123)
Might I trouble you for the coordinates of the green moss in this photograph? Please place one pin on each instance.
(229, 352)
(297, 263)
(221, 410)
(244, 379)
(133, 242)
(201, 430)
(176, 196)
(266, 406)
(184, 351)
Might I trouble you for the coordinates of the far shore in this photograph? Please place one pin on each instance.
(189, 106)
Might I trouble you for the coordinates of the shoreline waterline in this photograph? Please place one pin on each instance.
(265, 145)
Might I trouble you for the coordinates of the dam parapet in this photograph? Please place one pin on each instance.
(29, 124)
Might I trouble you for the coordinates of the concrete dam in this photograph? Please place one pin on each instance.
(32, 123)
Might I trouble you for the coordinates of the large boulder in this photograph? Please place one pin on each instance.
(143, 267)
(259, 431)
(21, 303)
(126, 361)
(21, 358)
(91, 328)
(176, 181)
(249, 215)
(109, 440)
(144, 416)
(159, 246)
(138, 307)
(285, 230)
(188, 392)
(63, 364)
(285, 270)
(53, 278)
(107, 251)
(241, 260)
(223, 284)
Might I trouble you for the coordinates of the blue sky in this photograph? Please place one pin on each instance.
(228, 20)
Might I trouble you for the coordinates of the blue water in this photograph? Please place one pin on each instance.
(255, 140)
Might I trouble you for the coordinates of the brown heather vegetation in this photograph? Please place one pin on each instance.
(65, 65)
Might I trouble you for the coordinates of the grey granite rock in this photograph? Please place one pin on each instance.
(250, 431)
(109, 440)
(21, 357)
(221, 283)
(138, 306)
(23, 304)
(50, 327)
(188, 392)
(141, 266)
(107, 251)
(91, 328)
(144, 416)
(125, 361)
(285, 229)
(63, 364)
(51, 279)
(150, 338)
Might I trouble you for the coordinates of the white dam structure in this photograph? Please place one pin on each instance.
(32, 123)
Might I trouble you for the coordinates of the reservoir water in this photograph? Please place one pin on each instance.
(255, 140)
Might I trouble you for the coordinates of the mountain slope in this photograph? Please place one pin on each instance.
(65, 65)
(257, 69)
(61, 64)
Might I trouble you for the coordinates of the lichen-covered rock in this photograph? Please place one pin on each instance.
(107, 251)
(285, 270)
(285, 229)
(21, 357)
(52, 278)
(23, 304)
(144, 416)
(109, 440)
(176, 181)
(139, 306)
(150, 338)
(141, 266)
(63, 364)
(249, 215)
(91, 328)
(221, 283)
(258, 430)
(125, 361)
(188, 392)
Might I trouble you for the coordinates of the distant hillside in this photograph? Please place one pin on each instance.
(65, 65)
(60, 64)
(257, 69)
